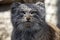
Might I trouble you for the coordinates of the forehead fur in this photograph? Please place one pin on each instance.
(27, 7)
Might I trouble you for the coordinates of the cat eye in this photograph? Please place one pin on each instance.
(34, 12)
(22, 12)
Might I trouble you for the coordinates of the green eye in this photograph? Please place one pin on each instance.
(22, 12)
(34, 12)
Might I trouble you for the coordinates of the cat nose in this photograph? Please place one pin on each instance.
(28, 18)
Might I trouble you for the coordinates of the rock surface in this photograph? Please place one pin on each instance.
(5, 23)
(5, 1)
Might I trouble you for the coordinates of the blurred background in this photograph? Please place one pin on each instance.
(22, 1)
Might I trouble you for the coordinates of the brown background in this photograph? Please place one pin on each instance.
(23, 1)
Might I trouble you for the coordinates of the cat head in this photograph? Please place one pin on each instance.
(27, 14)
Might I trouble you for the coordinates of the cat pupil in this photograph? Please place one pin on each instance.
(22, 12)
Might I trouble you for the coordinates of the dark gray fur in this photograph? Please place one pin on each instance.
(34, 29)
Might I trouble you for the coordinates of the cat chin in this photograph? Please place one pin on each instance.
(28, 26)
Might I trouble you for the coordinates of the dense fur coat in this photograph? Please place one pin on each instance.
(28, 22)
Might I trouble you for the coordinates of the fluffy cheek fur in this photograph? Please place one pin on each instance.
(21, 24)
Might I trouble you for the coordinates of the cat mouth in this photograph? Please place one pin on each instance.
(28, 21)
(28, 24)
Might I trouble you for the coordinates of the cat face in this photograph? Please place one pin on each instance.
(27, 15)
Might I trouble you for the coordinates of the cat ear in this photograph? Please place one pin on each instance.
(41, 8)
(40, 4)
(14, 6)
